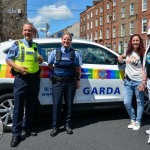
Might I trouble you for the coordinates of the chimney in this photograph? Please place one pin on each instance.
(96, 1)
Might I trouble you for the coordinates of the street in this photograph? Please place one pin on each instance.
(101, 130)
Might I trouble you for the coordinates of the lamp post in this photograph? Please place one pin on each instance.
(110, 17)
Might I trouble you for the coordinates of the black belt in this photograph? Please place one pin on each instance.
(28, 75)
(62, 79)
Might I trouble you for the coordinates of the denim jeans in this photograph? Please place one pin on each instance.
(131, 87)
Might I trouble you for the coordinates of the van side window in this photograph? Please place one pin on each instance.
(90, 54)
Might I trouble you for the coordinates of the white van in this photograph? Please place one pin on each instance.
(101, 80)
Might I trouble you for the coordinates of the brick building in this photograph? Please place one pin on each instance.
(112, 22)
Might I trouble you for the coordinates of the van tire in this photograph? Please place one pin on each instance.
(6, 113)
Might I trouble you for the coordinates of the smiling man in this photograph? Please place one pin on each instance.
(24, 58)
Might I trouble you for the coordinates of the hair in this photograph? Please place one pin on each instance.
(29, 23)
(141, 48)
(66, 33)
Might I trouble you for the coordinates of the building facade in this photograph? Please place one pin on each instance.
(112, 22)
(74, 29)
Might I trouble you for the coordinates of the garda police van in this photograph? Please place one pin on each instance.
(101, 79)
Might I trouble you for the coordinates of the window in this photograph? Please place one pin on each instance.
(132, 9)
(114, 47)
(144, 25)
(101, 20)
(107, 6)
(114, 32)
(144, 5)
(91, 24)
(96, 22)
(95, 55)
(96, 35)
(91, 14)
(107, 21)
(88, 37)
(123, 1)
(123, 12)
(91, 37)
(96, 12)
(100, 35)
(114, 2)
(114, 16)
(131, 28)
(88, 26)
(107, 33)
(123, 30)
(91, 54)
(88, 16)
(84, 18)
(84, 27)
(101, 9)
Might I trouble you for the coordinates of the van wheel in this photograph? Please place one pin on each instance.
(6, 110)
(146, 103)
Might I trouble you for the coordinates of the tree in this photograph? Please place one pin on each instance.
(12, 18)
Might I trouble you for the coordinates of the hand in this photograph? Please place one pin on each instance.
(22, 70)
(141, 87)
(78, 84)
(120, 59)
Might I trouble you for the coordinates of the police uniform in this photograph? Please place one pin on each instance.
(65, 62)
(26, 87)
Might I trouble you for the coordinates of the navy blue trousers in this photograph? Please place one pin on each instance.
(60, 90)
(26, 91)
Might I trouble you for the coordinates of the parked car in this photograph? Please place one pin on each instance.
(101, 79)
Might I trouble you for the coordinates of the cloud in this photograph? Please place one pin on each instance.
(51, 12)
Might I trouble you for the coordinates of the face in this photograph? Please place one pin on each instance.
(28, 32)
(66, 41)
(135, 42)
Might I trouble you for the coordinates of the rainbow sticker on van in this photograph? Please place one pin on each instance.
(87, 73)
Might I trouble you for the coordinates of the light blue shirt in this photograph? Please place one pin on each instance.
(52, 56)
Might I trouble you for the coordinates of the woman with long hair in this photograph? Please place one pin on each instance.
(134, 80)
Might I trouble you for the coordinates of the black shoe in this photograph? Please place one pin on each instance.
(29, 132)
(15, 141)
(54, 132)
(69, 130)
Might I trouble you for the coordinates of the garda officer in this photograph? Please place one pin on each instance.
(24, 58)
(66, 65)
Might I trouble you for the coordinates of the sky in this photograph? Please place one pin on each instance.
(59, 14)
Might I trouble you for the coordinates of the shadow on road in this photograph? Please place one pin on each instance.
(81, 119)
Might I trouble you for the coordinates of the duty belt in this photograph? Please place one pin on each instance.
(61, 79)
(28, 75)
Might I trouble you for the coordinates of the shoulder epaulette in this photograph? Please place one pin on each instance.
(17, 42)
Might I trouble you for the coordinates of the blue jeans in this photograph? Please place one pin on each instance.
(131, 87)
